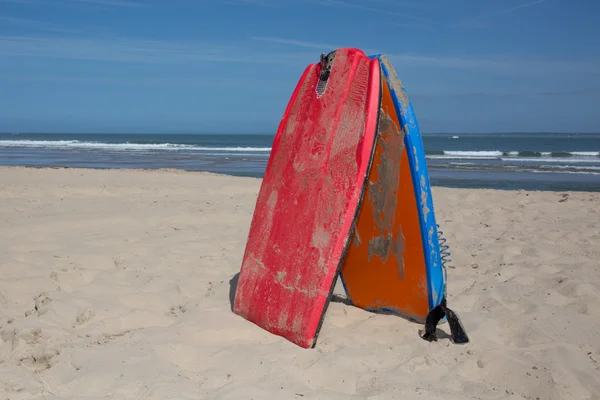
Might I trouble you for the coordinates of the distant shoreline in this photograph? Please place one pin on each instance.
(458, 185)
(274, 131)
(548, 162)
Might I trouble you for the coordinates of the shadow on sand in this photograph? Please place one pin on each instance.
(336, 298)
(233, 282)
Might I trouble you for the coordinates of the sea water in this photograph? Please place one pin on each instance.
(532, 161)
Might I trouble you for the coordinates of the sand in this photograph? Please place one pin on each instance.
(118, 284)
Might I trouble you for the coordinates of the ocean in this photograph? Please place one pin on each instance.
(530, 161)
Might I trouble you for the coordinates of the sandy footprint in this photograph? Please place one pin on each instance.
(176, 311)
(419, 364)
(41, 360)
(29, 348)
(72, 278)
(42, 305)
(15, 337)
(83, 317)
(368, 383)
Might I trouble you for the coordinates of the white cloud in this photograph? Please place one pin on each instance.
(35, 25)
(112, 3)
(477, 20)
(119, 49)
(298, 43)
(490, 63)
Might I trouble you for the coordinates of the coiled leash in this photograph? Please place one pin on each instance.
(458, 335)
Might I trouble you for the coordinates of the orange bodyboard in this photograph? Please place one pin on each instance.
(384, 268)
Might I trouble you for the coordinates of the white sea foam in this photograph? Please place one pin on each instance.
(562, 160)
(545, 156)
(439, 157)
(466, 154)
(76, 144)
(566, 172)
(586, 167)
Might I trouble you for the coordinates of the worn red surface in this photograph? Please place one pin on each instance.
(308, 199)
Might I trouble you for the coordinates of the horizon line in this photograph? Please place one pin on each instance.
(274, 133)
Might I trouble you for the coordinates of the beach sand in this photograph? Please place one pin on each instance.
(119, 284)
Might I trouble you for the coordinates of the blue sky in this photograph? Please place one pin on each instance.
(231, 65)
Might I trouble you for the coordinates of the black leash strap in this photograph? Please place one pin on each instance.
(458, 334)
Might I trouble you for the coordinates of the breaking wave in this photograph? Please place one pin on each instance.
(593, 156)
(127, 146)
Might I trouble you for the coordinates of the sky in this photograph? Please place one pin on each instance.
(230, 66)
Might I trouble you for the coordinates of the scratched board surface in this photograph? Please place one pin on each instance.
(434, 262)
(308, 199)
(385, 267)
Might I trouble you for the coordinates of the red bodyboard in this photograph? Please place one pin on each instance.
(309, 197)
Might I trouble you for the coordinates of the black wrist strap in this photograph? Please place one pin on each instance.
(457, 331)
